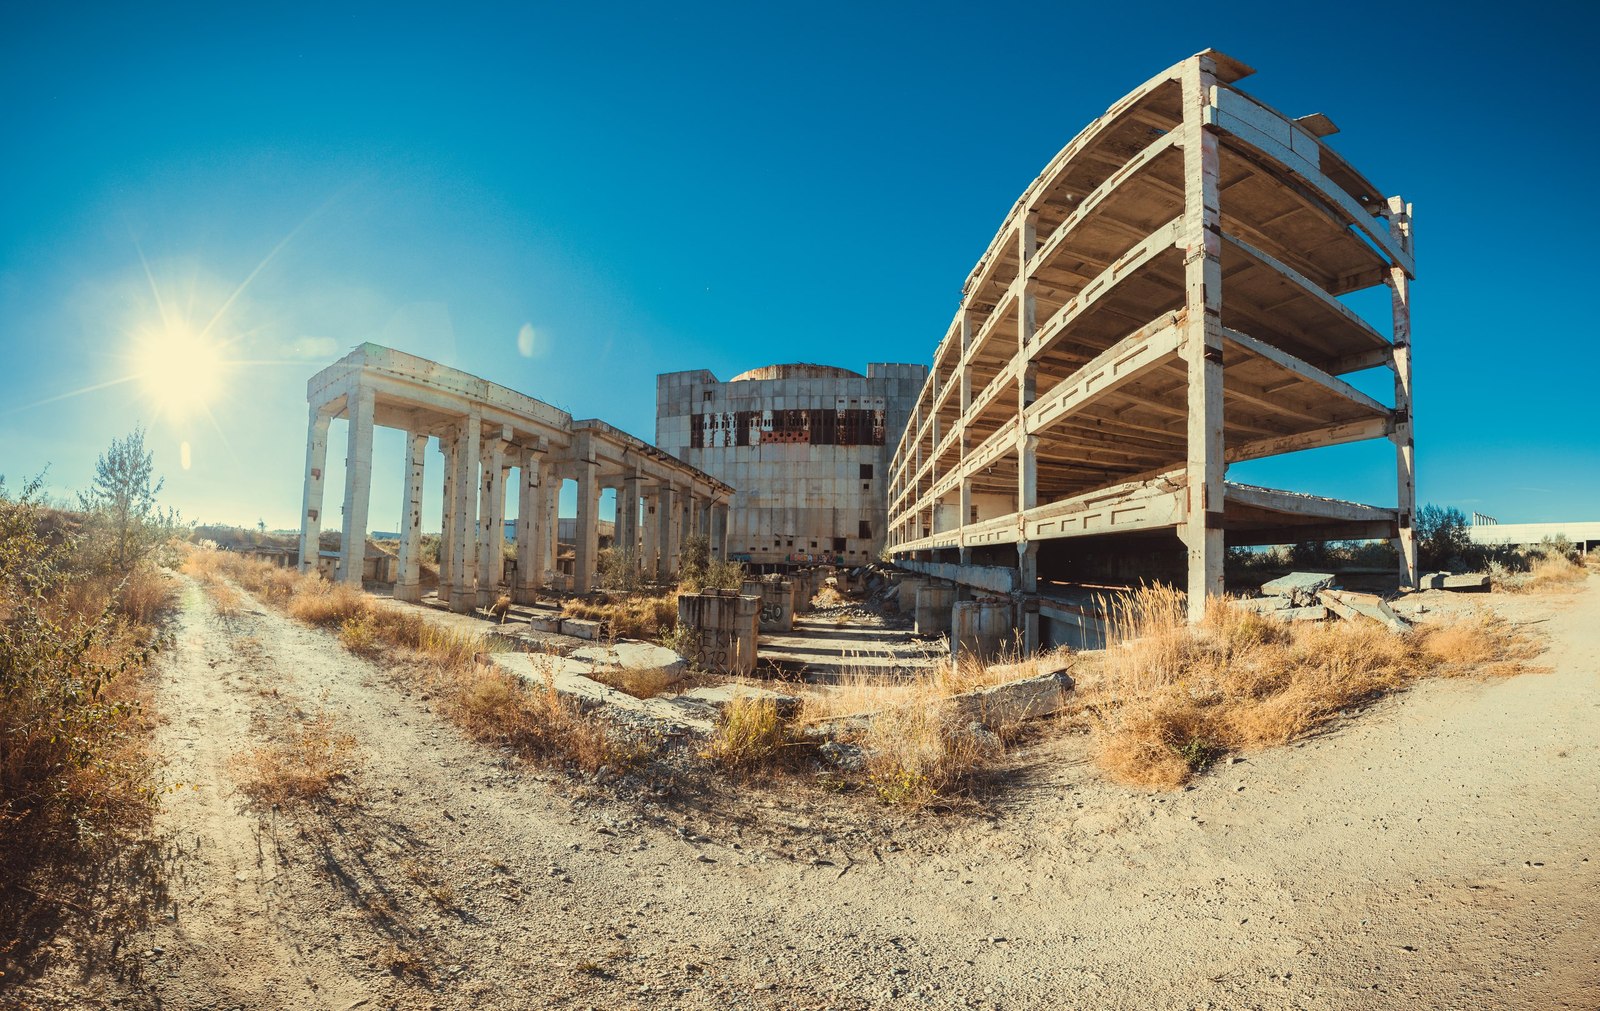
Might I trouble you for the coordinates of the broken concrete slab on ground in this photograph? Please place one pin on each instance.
(1299, 587)
(1312, 596)
(1470, 582)
(574, 677)
(1348, 606)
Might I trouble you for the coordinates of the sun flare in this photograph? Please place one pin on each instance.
(180, 371)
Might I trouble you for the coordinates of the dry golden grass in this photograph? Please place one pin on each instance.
(1551, 572)
(275, 584)
(489, 704)
(919, 753)
(228, 601)
(145, 595)
(863, 689)
(537, 723)
(328, 604)
(1168, 697)
(638, 616)
(750, 733)
(307, 763)
(919, 756)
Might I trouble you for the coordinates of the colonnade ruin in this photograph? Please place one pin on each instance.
(486, 436)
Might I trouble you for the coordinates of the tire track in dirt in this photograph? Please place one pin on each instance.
(227, 934)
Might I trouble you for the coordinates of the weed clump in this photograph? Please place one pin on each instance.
(750, 733)
(918, 756)
(636, 616)
(305, 764)
(537, 723)
(1168, 698)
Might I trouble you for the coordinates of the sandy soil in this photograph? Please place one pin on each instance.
(1439, 851)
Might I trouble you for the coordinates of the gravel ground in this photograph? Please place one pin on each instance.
(1440, 850)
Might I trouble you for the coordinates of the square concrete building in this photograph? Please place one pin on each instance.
(806, 448)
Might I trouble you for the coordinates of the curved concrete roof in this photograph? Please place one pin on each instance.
(798, 370)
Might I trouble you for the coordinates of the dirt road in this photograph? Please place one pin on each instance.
(1439, 851)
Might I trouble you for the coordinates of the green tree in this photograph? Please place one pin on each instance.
(123, 524)
(1441, 537)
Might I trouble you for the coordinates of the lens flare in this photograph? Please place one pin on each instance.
(180, 372)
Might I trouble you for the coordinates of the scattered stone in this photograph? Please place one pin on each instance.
(847, 757)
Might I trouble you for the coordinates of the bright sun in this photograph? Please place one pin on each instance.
(181, 372)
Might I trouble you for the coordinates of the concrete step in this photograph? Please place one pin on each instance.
(825, 651)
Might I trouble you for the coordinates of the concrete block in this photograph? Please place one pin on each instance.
(981, 627)
(630, 655)
(1474, 582)
(580, 628)
(1014, 701)
(723, 626)
(1261, 605)
(934, 604)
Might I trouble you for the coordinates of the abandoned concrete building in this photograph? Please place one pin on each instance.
(485, 434)
(806, 448)
(1162, 301)
(1165, 299)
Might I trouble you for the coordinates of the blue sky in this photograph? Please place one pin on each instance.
(655, 188)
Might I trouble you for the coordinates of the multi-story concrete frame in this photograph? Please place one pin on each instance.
(1162, 300)
(807, 447)
(486, 434)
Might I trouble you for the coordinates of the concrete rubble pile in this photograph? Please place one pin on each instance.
(1312, 596)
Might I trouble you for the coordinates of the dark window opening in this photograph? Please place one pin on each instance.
(865, 533)
(866, 472)
(838, 544)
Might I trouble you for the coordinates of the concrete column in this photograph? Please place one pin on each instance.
(447, 527)
(628, 520)
(316, 470)
(1405, 445)
(1027, 472)
(492, 521)
(530, 528)
(1028, 618)
(650, 537)
(719, 531)
(588, 539)
(666, 522)
(551, 543)
(685, 523)
(357, 486)
(409, 584)
(1202, 340)
(464, 528)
